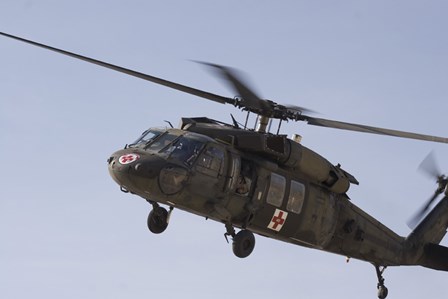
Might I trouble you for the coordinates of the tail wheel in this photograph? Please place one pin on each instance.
(158, 220)
(382, 292)
(243, 243)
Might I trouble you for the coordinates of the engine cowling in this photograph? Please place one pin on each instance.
(278, 148)
(316, 167)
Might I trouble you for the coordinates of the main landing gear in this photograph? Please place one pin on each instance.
(158, 218)
(382, 290)
(243, 242)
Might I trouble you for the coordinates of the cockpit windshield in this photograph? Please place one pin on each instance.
(147, 137)
(161, 142)
(175, 145)
(185, 149)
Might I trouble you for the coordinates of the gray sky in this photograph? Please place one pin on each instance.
(68, 232)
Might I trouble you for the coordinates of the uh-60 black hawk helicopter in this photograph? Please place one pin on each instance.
(266, 183)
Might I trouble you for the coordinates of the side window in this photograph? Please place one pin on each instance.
(296, 197)
(276, 190)
(184, 149)
(210, 161)
(244, 181)
(234, 171)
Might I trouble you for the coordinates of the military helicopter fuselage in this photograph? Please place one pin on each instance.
(267, 183)
(260, 182)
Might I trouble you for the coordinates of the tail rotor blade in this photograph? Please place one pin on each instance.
(429, 166)
(412, 223)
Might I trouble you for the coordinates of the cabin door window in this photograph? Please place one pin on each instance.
(296, 197)
(276, 190)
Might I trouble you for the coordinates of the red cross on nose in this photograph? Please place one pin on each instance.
(127, 159)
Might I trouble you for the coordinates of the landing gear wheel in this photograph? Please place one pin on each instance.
(243, 243)
(382, 292)
(158, 220)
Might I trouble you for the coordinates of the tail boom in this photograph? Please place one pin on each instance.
(423, 243)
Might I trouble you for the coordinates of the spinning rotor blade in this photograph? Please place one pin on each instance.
(249, 99)
(412, 223)
(368, 129)
(173, 85)
(429, 166)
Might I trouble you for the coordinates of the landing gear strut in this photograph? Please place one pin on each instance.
(158, 219)
(243, 242)
(382, 290)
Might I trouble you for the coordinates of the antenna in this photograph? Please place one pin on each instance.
(168, 122)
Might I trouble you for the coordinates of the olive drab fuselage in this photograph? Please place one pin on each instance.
(217, 176)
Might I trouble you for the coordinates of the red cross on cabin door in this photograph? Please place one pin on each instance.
(278, 219)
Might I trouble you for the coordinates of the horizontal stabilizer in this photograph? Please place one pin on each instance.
(435, 257)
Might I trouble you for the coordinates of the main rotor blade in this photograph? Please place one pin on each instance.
(249, 99)
(368, 129)
(173, 85)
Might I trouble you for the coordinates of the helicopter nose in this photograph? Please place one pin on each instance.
(133, 170)
(143, 173)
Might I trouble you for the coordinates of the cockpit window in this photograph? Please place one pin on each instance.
(146, 137)
(211, 161)
(162, 142)
(185, 149)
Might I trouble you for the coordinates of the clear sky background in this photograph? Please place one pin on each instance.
(67, 231)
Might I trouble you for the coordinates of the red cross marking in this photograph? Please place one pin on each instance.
(278, 220)
(129, 158)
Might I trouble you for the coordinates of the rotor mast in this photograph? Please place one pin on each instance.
(263, 122)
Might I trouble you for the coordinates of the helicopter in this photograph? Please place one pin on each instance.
(264, 183)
